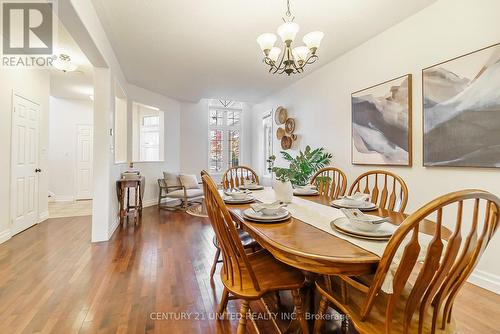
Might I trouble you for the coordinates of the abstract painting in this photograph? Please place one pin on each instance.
(461, 110)
(381, 123)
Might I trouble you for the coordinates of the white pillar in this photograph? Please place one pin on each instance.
(103, 209)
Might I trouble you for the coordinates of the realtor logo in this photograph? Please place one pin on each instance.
(27, 28)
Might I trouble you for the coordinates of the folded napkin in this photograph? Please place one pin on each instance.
(249, 182)
(257, 207)
(355, 214)
(357, 197)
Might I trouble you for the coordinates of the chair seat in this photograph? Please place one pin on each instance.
(246, 240)
(271, 274)
(190, 193)
(375, 322)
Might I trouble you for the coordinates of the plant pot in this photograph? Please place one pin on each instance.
(283, 191)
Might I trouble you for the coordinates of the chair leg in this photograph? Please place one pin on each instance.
(242, 325)
(223, 302)
(214, 265)
(318, 323)
(297, 301)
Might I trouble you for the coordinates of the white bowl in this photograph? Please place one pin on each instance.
(238, 195)
(268, 209)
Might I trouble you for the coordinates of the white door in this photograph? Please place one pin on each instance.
(24, 172)
(84, 161)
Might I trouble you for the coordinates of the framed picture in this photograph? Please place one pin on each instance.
(381, 124)
(461, 110)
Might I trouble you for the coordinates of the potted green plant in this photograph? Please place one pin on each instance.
(300, 170)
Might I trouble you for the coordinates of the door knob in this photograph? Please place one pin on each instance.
(38, 170)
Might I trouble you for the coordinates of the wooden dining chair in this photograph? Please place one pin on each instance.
(246, 240)
(427, 284)
(248, 276)
(330, 182)
(236, 176)
(386, 189)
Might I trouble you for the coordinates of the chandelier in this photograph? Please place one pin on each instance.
(291, 60)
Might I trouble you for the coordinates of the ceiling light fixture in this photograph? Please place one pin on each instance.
(63, 63)
(291, 60)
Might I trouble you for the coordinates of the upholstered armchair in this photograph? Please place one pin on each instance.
(183, 187)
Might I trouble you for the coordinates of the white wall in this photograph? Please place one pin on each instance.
(32, 84)
(120, 130)
(194, 136)
(65, 115)
(321, 101)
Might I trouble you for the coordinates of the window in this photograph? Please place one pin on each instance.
(150, 138)
(267, 124)
(148, 133)
(224, 138)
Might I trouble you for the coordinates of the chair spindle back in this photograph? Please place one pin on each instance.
(474, 215)
(236, 176)
(331, 182)
(387, 190)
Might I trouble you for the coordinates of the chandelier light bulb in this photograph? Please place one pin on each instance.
(313, 39)
(288, 31)
(274, 54)
(266, 41)
(300, 53)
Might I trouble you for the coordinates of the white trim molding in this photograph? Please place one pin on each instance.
(113, 228)
(42, 216)
(485, 280)
(5, 235)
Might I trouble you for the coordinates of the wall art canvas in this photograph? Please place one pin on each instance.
(461, 110)
(381, 123)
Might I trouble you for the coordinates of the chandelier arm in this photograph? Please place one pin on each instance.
(311, 59)
(281, 60)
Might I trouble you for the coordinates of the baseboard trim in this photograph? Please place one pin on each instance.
(485, 280)
(5, 235)
(113, 227)
(43, 216)
(149, 202)
(154, 201)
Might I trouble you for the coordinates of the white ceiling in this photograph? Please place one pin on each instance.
(192, 49)
(71, 85)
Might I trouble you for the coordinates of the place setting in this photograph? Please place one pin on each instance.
(358, 201)
(307, 190)
(360, 225)
(250, 185)
(267, 212)
(238, 197)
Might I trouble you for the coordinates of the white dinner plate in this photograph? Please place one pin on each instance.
(343, 225)
(230, 200)
(252, 187)
(250, 214)
(365, 206)
(305, 192)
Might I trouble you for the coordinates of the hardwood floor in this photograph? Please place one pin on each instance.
(53, 280)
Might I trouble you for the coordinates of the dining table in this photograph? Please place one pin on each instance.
(306, 247)
(317, 252)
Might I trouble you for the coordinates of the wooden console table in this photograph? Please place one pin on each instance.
(123, 187)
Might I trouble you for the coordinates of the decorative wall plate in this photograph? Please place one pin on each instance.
(290, 125)
(280, 132)
(280, 115)
(286, 142)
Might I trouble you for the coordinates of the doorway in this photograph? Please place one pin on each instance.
(24, 163)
